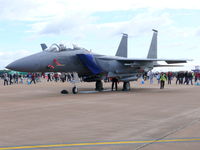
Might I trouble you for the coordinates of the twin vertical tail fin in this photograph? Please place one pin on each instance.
(153, 47)
(122, 50)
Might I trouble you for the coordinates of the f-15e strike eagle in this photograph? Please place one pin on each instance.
(90, 66)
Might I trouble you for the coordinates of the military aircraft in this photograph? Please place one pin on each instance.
(93, 67)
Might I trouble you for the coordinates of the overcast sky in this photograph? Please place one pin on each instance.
(98, 24)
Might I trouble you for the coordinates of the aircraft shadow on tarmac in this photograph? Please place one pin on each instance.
(134, 90)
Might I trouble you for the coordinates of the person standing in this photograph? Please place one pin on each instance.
(62, 77)
(163, 78)
(10, 78)
(68, 77)
(190, 78)
(5, 76)
(178, 78)
(150, 75)
(169, 77)
(16, 78)
(114, 83)
(195, 77)
(144, 76)
(158, 77)
(33, 78)
(186, 78)
(49, 77)
(181, 77)
(56, 77)
(21, 78)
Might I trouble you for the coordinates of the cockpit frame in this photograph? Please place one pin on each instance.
(58, 48)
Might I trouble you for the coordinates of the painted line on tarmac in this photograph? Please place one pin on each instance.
(100, 144)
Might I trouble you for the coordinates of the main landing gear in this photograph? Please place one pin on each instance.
(126, 86)
(99, 85)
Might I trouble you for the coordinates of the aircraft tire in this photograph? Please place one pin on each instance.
(99, 85)
(75, 90)
(126, 86)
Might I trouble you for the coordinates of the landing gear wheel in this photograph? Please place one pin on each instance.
(99, 85)
(75, 90)
(126, 86)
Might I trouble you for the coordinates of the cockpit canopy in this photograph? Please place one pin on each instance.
(61, 47)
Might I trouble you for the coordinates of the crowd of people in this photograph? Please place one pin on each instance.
(63, 77)
(179, 77)
(163, 77)
(16, 78)
(30, 78)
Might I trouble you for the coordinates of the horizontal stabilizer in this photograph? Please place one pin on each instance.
(176, 61)
(157, 65)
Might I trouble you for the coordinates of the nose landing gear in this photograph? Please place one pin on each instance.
(74, 90)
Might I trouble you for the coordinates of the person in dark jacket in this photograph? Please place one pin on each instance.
(114, 83)
(33, 78)
(190, 78)
(10, 78)
(169, 77)
(49, 77)
(178, 80)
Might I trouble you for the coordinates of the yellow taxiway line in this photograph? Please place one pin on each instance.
(100, 143)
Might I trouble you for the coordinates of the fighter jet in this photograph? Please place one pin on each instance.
(93, 67)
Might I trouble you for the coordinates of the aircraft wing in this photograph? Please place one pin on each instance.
(131, 60)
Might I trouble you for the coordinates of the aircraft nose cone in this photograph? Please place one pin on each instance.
(20, 65)
(26, 64)
(11, 66)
